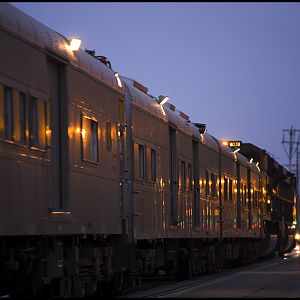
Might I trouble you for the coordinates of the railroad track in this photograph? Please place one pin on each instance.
(163, 290)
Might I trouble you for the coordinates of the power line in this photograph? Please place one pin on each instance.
(290, 142)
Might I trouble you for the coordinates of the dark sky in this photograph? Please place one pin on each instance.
(233, 66)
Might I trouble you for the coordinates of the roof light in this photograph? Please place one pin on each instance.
(74, 44)
(163, 99)
(118, 79)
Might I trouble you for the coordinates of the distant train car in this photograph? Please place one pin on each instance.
(103, 183)
(278, 195)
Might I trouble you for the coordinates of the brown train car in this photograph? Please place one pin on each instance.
(61, 119)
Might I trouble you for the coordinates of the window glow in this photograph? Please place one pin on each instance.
(83, 133)
(75, 44)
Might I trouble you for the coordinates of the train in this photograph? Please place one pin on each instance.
(103, 184)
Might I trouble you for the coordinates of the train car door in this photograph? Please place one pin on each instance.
(173, 176)
(59, 134)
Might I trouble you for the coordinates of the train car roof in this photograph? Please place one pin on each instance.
(150, 104)
(243, 160)
(167, 113)
(15, 21)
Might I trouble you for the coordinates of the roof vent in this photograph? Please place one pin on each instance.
(183, 115)
(140, 87)
(170, 106)
(101, 58)
(90, 52)
(201, 127)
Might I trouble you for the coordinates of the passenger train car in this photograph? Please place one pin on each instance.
(102, 183)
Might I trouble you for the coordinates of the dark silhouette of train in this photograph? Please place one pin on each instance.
(102, 183)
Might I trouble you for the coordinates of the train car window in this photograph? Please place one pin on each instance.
(189, 177)
(213, 185)
(121, 111)
(37, 123)
(230, 189)
(225, 188)
(8, 114)
(19, 112)
(183, 176)
(108, 136)
(94, 131)
(245, 195)
(33, 123)
(89, 139)
(142, 161)
(256, 198)
(2, 122)
(207, 183)
(153, 165)
(242, 194)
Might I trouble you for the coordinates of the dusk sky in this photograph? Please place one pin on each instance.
(233, 66)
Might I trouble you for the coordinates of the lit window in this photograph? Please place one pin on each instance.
(108, 136)
(89, 137)
(189, 178)
(245, 195)
(183, 176)
(153, 165)
(225, 188)
(37, 123)
(19, 125)
(207, 183)
(230, 189)
(121, 111)
(213, 185)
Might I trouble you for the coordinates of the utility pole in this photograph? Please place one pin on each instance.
(290, 142)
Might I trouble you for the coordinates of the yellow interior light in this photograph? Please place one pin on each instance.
(297, 236)
(83, 133)
(225, 143)
(75, 44)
